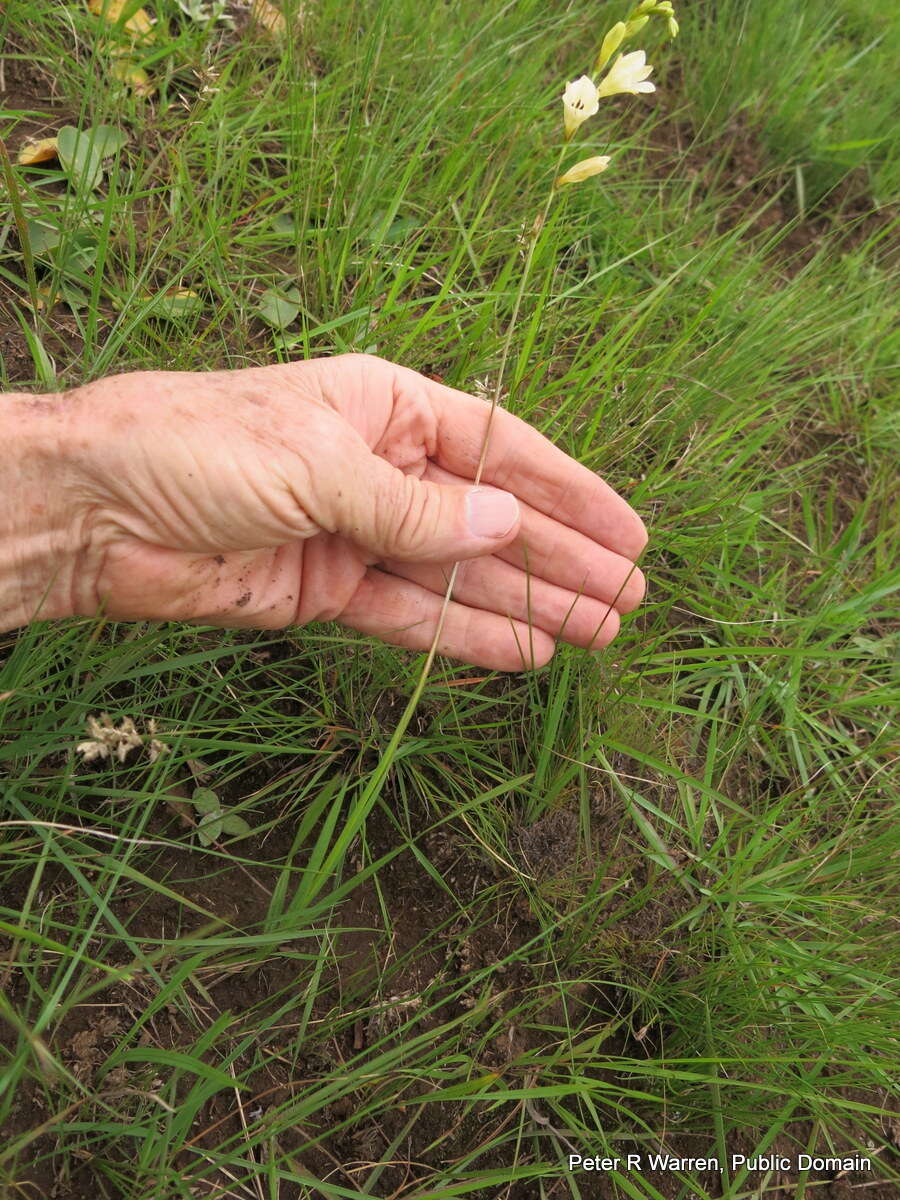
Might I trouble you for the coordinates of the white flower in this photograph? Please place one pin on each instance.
(584, 169)
(628, 74)
(580, 101)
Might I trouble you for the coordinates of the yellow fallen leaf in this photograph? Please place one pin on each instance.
(138, 23)
(38, 151)
(175, 303)
(168, 305)
(47, 298)
(269, 18)
(135, 77)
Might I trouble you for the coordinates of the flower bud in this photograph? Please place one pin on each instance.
(635, 25)
(611, 43)
(584, 170)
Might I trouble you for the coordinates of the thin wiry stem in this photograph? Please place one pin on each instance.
(533, 236)
(376, 780)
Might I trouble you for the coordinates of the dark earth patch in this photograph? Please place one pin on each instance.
(382, 972)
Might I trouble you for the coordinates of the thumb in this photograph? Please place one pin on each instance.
(400, 516)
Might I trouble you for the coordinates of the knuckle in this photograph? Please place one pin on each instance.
(361, 361)
(276, 617)
(412, 514)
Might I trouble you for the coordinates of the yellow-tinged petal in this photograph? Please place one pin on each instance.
(584, 169)
(138, 23)
(38, 152)
(627, 74)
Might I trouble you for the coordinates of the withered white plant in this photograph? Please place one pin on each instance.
(106, 740)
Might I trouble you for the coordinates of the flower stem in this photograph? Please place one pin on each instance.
(376, 780)
(535, 233)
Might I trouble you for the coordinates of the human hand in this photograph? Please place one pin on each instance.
(339, 488)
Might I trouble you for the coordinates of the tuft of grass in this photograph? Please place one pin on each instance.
(630, 903)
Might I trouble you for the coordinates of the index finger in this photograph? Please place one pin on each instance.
(523, 461)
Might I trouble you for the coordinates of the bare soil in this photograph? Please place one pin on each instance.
(381, 970)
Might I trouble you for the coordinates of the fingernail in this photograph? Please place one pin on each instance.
(491, 514)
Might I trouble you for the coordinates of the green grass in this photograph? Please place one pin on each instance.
(639, 900)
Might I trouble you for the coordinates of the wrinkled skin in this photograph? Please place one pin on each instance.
(335, 489)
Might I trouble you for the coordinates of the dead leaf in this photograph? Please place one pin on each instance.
(170, 305)
(176, 799)
(177, 302)
(6, 695)
(138, 24)
(134, 77)
(269, 18)
(65, 292)
(47, 297)
(38, 151)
